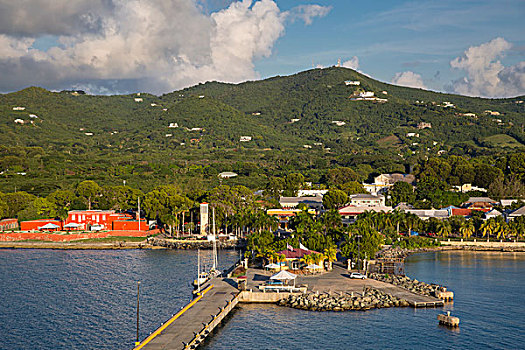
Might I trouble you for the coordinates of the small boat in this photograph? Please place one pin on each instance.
(203, 278)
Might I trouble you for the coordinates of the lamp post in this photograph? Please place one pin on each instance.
(358, 252)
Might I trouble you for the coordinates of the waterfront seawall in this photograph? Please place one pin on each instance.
(485, 245)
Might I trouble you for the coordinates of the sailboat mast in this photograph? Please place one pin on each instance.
(198, 270)
(215, 262)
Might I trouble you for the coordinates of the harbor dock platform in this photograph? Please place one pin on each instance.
(194, 322)
(219, 296)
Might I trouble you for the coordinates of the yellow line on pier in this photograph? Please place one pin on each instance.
(171, 320)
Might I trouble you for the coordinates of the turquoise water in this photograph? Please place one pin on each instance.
(86, 300)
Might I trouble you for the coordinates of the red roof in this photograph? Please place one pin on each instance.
(296, 253)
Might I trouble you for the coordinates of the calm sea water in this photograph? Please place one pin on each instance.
(54, 299)
(489, 299)
(86, 300)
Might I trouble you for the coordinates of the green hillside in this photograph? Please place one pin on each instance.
(290, 121)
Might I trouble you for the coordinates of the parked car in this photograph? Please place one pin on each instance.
(357, 275)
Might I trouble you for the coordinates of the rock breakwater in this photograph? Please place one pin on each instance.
(370, 299)
(189, 244)
(409, 284)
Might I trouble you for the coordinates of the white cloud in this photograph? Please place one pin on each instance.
(130, 45)
(409, 79)
(352, 63)
(308, 12)
(485, 74)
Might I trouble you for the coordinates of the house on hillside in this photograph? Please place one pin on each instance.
(311, 193)
(424, 125)
(350, 212)
(480, 203)
(492, 214)
(508, 202)
(367, 200)
(284, 215)
(311, 202)
(425, 214)
(352, 82)
(516, 213)
(227, 174)
(467, 188)
(391, 179)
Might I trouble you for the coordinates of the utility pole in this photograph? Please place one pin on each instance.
(138, 213)
(358, 252)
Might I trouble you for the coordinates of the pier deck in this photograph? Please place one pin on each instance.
(338, 281)
(182, 330)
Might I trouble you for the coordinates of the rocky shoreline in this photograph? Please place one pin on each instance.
(188, 244)
(371, 299)
(409, 284)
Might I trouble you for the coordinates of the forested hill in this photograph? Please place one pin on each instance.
(305, 123)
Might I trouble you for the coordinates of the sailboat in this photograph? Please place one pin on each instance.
(203, 276)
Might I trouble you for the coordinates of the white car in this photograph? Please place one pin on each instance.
(357, 275)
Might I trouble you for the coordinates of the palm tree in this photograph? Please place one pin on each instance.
(280, 258)
(307, 259)
(467, 229)
(487, 228)
(318, 258)
(444, 228)
(331, 255)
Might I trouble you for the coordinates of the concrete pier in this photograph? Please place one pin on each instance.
(190, 326)
(199, 318)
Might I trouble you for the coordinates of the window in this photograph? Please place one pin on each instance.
(73, 217)
(103, 217)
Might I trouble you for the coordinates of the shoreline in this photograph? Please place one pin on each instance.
(156, 243)
(115, 245)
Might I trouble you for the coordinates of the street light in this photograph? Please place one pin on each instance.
(358, 251)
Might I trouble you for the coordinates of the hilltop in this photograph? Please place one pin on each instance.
(305, 122)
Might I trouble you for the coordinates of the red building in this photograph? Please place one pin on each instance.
(130, 225)
(88, 218)
(36, 225)
(8, 224)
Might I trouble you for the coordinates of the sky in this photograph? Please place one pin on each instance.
(469, 47)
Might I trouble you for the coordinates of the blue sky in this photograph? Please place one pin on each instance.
(473, 47)
(390, 37)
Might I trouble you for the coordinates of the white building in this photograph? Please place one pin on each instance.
(227, 174)
(173, 125)
(245, 138)
(19, 121)
(338, 122)
(311, 193)
(352, 82)
(367, 200)
(366, 94)
(18, 108)
(138, 99)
